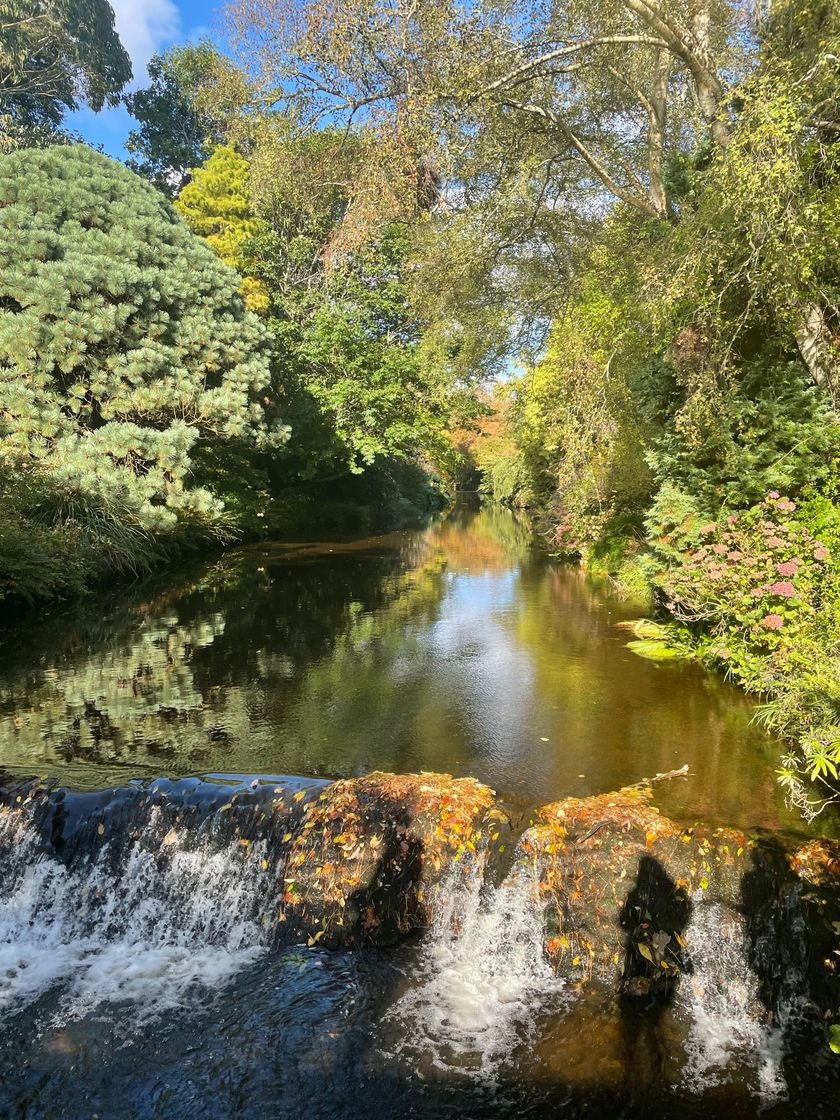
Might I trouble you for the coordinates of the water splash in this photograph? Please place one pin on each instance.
(482, 977)
(156, 926)
(730, 1036)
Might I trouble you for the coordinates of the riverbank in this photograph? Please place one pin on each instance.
(752, 594)
(52, 548)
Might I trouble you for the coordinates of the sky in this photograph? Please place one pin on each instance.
(145, 27)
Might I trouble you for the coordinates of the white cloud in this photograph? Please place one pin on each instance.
(144, 26)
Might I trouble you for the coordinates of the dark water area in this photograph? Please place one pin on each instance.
(462, 648)
(140, 975)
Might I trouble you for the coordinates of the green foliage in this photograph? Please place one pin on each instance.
(358, 385)
(123, 342)
(36, 560)
(361, 348)
(55, 54)
(215, 205)
(175, 133)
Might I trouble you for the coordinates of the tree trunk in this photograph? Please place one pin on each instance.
(656, 130)
(819, 353)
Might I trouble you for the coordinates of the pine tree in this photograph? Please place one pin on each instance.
(123, 341)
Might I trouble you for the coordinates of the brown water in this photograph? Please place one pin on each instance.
(461, 648)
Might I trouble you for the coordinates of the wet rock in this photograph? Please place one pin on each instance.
(619, 881)
(634, 903)
(365, 859)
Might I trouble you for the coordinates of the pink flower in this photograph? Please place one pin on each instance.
(788, 568)
(756, 592)
(775, 542)
(773, 494)
(821, 552)
(786, 504)
(708, 529)
(720, 549)
(734, 555)
(732, 518)
(784, 589)
(772, 622)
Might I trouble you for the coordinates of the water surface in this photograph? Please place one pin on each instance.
(141, 980)
(462, 648)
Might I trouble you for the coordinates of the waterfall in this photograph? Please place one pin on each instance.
(730, 1032)
(153, 904)
(482, 977)
(159, 896)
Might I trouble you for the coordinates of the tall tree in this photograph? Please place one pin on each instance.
(55, 54)
(176, 131)
(610, 86)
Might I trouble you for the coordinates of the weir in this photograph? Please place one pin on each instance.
(713, 952)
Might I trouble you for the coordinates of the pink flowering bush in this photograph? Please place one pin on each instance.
(726, 579)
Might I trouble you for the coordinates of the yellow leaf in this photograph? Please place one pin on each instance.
(645, 951)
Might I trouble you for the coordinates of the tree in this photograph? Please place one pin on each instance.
(123, 343)
(55, 54)
(359, 385)
(216, 206)
(598, 81)
(176, 132)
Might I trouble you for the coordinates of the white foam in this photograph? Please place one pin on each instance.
(729, 1031)
(482, 978)
(156, 934)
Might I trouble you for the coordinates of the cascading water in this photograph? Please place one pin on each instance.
(148, 903)
(729, 1030)
(135, 905)
(482, 976)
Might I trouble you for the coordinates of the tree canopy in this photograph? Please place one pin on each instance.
(123, 340)
(55, 54)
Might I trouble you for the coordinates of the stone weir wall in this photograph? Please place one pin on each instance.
(618, 887)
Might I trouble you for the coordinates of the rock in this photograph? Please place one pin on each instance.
(619, 882)
(367, 855)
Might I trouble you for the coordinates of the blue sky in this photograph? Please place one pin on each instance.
(144, 26)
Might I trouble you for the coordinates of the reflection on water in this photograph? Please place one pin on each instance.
(462, 647)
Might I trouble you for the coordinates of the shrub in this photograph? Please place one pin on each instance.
(123, 341)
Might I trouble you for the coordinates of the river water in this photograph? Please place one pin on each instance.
(147, 987)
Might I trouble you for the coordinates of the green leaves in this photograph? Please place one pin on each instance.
(126, 343)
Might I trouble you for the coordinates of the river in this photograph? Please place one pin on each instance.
(152, 992)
